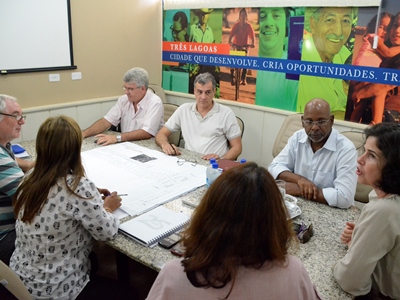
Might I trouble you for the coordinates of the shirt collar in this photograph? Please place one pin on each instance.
(213, 110)
(9, 150)
(330, 143)
(144, 99)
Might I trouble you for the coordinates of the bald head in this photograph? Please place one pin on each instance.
(319, 105)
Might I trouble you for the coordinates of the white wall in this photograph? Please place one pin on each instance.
(261, 124)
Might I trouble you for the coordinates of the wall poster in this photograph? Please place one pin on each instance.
(283, 57)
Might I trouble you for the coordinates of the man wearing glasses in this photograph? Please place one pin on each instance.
(11, 171)
(318, 163)
(139, 112)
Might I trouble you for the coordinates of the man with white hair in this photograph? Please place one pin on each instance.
(140, 112)
(11, 171)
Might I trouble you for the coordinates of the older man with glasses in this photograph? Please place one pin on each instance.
(11, 171)
(139, 112)
(318, 163)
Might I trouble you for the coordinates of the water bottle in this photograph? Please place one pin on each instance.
(209, 167)
(212, 174)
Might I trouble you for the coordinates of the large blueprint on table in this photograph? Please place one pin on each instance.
(149, 177)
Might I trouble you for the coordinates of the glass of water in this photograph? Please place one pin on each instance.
(282, 187)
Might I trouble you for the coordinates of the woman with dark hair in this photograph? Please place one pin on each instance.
(236, 245)
(372, 263)
(58, 213)
(179, 27)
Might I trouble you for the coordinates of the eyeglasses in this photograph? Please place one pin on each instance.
(319, 123)
(16, 117)
(303, 232)
(175, 32)
(181, 161)
(130, 89)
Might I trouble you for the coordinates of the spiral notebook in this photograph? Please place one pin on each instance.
(150, 227)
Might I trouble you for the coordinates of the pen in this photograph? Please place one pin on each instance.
(173, 148)
(118, 195)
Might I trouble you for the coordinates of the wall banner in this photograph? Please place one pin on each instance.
(282, 57)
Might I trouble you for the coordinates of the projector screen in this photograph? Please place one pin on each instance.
(35, 35)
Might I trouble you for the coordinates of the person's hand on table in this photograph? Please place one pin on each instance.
(112, 202)
(170, 149)
(104, 139)
(209, 156)
(308, 189)
(347, 233)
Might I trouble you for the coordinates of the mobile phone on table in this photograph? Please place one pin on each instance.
(170, 241)
(177, 250)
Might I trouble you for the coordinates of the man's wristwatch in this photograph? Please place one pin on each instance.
(118, 138)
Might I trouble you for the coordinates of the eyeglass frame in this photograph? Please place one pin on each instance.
(181, 161)
(310, 123)
(129, 89)
(16, 117)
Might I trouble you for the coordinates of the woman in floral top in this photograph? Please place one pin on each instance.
(58, 213)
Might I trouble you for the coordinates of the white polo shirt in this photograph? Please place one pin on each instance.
(205, 135)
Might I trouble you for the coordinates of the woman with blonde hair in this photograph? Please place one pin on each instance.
(236, 246)
(58, 213)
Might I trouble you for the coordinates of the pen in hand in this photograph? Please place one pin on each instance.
(172, 146)
(118, 195)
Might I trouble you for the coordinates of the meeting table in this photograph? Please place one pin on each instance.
(318, 254)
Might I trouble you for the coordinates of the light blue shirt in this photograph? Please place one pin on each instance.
(332, 168)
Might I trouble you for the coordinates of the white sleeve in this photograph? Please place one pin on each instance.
(152, 120)
(285, 160)
(345, 183)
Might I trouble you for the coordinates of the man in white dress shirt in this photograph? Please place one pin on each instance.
(318, 163)
(140, 112)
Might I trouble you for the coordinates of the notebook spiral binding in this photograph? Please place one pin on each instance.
(167, 233)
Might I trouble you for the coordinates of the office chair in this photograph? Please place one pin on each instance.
(241, 125)
(291, 124)
(159, 91)
(13, 283)
(169, 109)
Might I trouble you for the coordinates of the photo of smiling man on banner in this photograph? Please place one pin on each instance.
(326, 40)
(273, 89)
